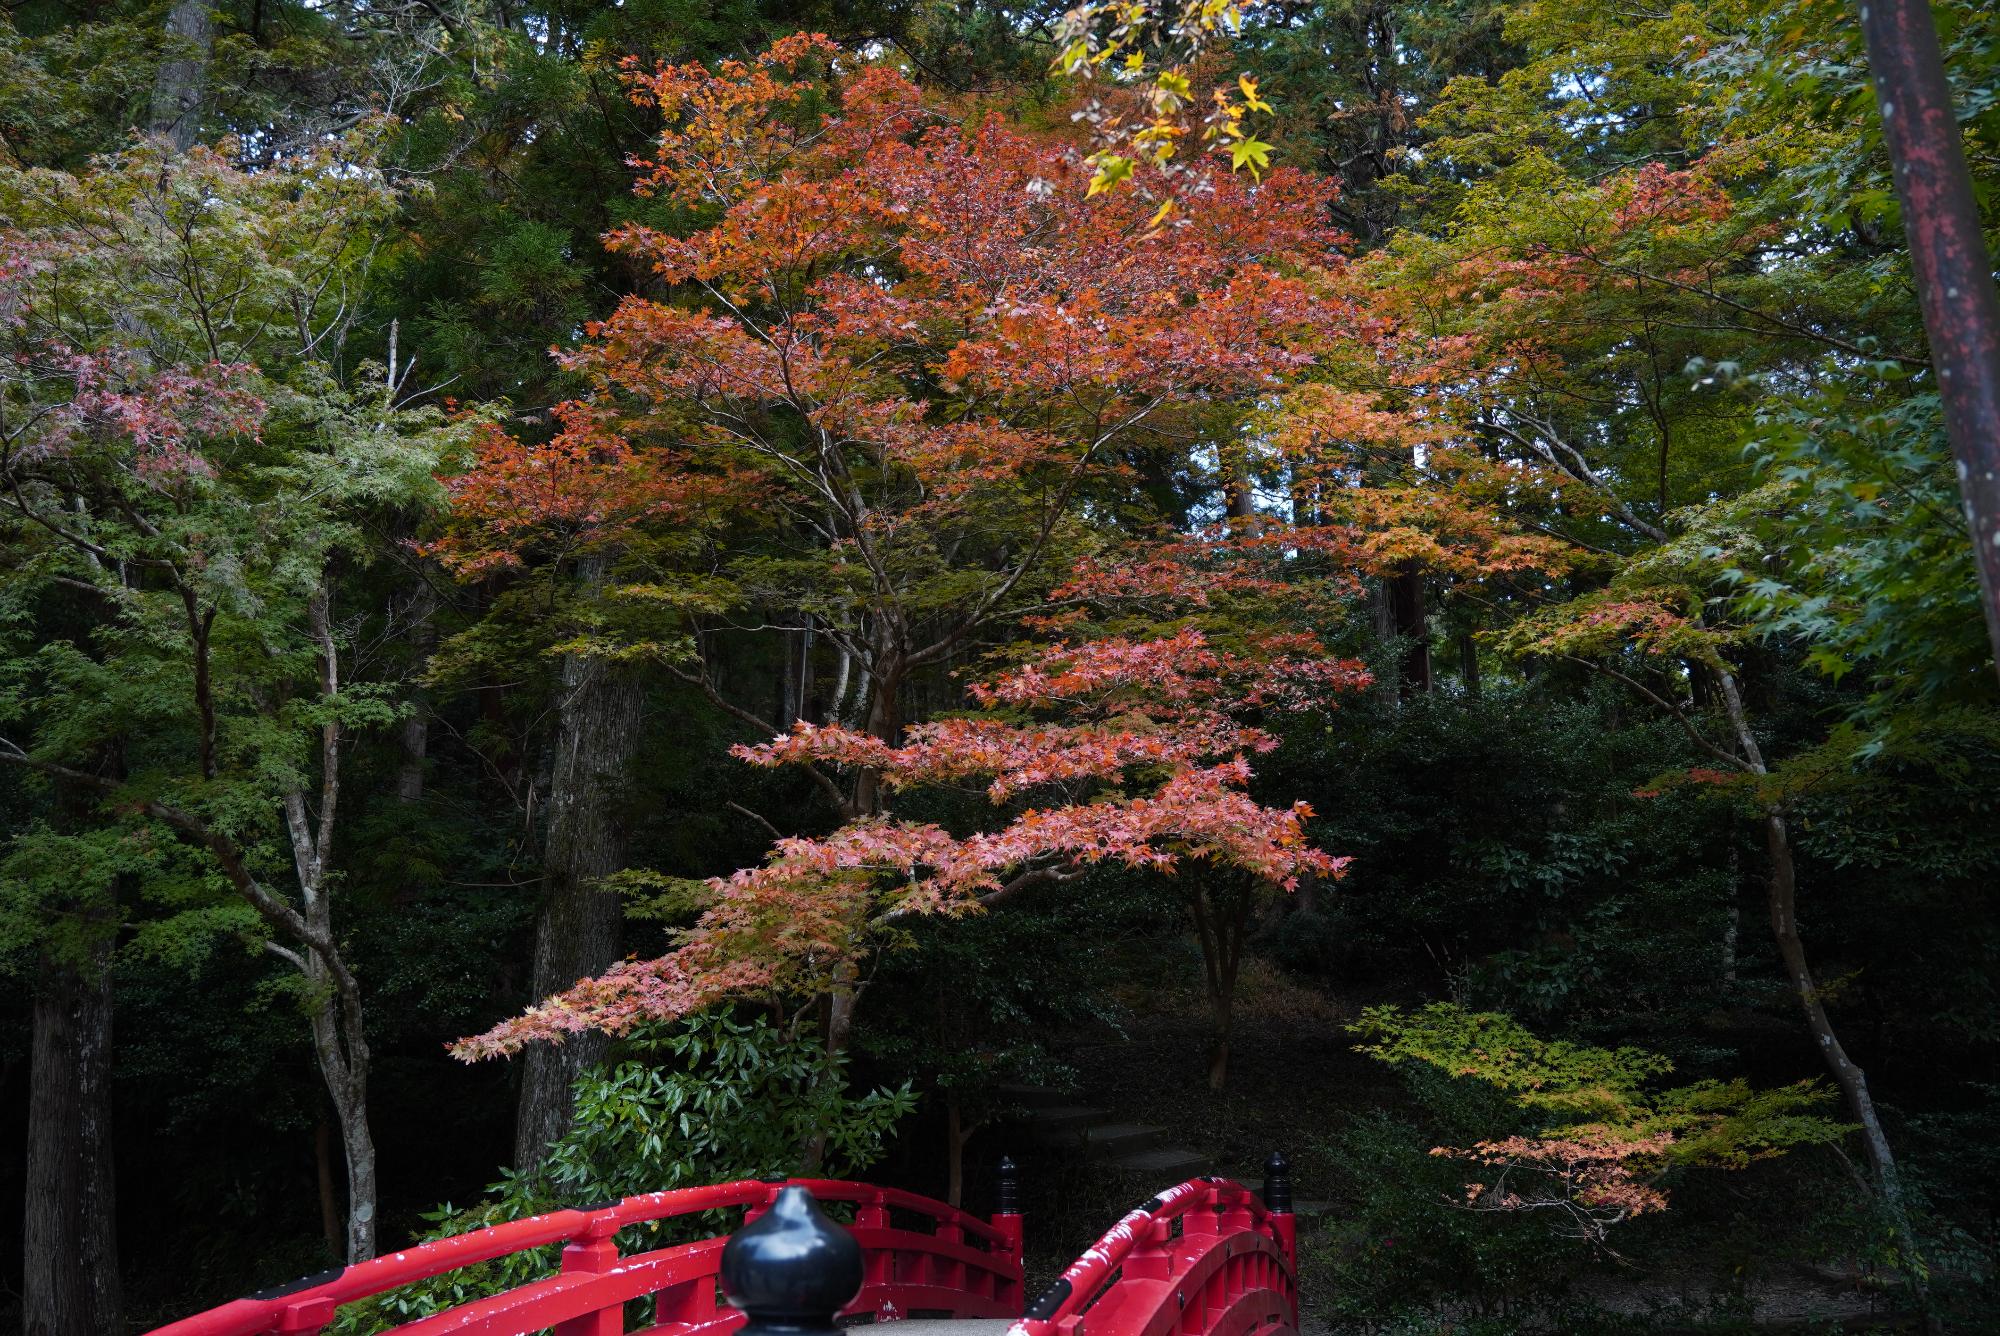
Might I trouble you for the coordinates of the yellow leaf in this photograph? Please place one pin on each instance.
(1111, 169)
(1252, 153)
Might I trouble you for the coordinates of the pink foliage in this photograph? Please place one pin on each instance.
(1659, 194)
(1160, 708)
(1589, 1177)
(899, 249)
(114, 395)
(162, 413)
(1282, 671)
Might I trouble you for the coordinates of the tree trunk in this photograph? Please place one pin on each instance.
(955, 1137)
(1468, 665)
(339, 1034)
(1948, 259)
(1305, 900)
(844, 675)
(1222, 927)
(342, 1050)
(884, 681)
(1782, 888)
(1853, 1082)
(69, 1233)
(578, 933)
(1239, 495)
(415, 742)
(1218, 1054)
(1701, 686)
(1383, 609)
(357, 1144)
(795, 682)
(422, 612)
(182, 79)
(1732, 927)
(841, 1004)
(884, 721)
(329, 1196)
(1406, 603)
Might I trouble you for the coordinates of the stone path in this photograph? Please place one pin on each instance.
(1138, 1149)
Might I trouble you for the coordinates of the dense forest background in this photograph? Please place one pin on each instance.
(1533, 471)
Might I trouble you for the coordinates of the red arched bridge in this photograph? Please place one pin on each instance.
(1204, 1258)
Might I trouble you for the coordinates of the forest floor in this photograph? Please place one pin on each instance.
(1294, 1080)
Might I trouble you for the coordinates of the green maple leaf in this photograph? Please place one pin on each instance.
(1250, 152)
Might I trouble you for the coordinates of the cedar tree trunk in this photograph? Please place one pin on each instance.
(69, 1230)
(579, 930)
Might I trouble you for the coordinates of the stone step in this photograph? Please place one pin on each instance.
(1065, 1122)
(1033, 1096)
(1165, 1167)
(1121, 1138)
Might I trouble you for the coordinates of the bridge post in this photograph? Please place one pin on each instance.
(1006, 1215)
(1278, 1201)
(791, 1270)
(877, 1268)
(596, 1252)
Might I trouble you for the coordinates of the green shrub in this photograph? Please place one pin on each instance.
(710, 1099)
(1403, 1253)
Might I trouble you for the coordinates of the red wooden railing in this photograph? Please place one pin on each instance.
(1202, 1259)
(959, 1266)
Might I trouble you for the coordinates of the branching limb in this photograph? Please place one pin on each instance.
(1680, 716)
(1544, 441)
(1053, 875)
(701, 682)
(274, 911)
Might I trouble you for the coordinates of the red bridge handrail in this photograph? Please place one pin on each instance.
(1236, 1256)
(966, 1265)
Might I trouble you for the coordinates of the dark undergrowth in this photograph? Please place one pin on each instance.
(1386, 1249)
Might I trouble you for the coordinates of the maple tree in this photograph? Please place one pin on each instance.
(180, 466)
(914, 339)
(1146, 751)
(1159, 54)
(1601, 1142)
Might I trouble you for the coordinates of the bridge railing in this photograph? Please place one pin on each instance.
(919, 1255)
(1205, 1258)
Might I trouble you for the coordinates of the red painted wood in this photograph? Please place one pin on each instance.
(961, 1266)
(1201, 1259)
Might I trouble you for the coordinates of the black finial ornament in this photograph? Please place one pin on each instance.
(1007, 1188)
(792, 1270)
(1278, 1184)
